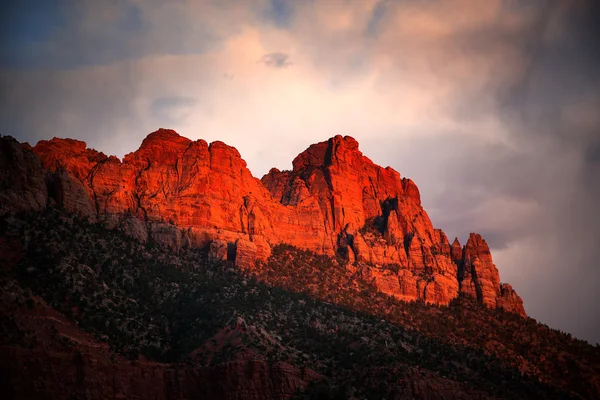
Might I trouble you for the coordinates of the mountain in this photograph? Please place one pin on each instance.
(335, 201)
(326, 281)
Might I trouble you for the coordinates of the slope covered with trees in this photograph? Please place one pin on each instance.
(147, 302)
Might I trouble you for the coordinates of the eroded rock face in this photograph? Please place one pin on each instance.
(245, 254)
(510, 300)
(22, 178)
(218, 250)
(335, 201)
(480, 277)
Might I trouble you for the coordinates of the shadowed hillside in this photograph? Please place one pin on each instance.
(296, 325)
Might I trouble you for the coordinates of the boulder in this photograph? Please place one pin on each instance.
(217, 250)
(245, 254)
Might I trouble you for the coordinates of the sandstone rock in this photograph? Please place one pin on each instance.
(509, 300)
(263, 249)
(22, 178)
(361, 249)
(478, 275)
(441, 244)
(351, 255)
(456, 251)
(71, 194)
(411, 190)
(393, 234)
(386, 281)
(218, 250)
(166, 234)
(415, 253)
(408, 286)
(245, 254)
(70, 155)
(441, 289)
(180, 192)
(136, 228)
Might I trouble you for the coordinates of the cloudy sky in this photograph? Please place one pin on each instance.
(492, 107)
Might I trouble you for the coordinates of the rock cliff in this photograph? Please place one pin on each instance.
(335, 201)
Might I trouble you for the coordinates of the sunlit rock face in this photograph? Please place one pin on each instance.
(370, 214)
(335, 201)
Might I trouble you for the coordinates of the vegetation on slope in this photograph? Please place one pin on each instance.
(534, 349)
(300, 308)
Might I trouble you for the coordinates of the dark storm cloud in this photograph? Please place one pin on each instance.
(377, 15)
(280, 12)
(592, 154)
(276, 60)
(75, 34)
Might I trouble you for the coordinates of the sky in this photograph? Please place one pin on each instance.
(491, 107)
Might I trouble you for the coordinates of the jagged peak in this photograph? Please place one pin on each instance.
(71, 154)
(217, 144)
(456, 251)
(411, 190)
(477, 246)
(475, 239)
(26, 146)
(164, 144)
(323, 153)
(68, 146)
(348, 141)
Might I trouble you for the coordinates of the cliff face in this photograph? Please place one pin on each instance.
(22, 178)
(335, 201)
(376, 217)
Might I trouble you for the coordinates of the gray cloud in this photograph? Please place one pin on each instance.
(534, 195)
(172, 109)
(276, 60)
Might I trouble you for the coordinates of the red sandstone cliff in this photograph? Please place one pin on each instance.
(189, 193)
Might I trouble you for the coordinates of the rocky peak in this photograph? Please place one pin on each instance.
(456, 251)
(442, 245)
(411, 190)
(22, 178)
(335, 201)
(477, 248)
(69, 146)
(314, 156)
(344, 150)
(220, 152)
(509, 300)
(479, 277)
(163, 145)
(335, 150)
(56, 151)
(163, 136)
(69, 154)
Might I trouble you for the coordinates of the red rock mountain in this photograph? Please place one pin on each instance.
(335, 201)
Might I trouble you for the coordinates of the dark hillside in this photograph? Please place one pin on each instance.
(180, 309)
